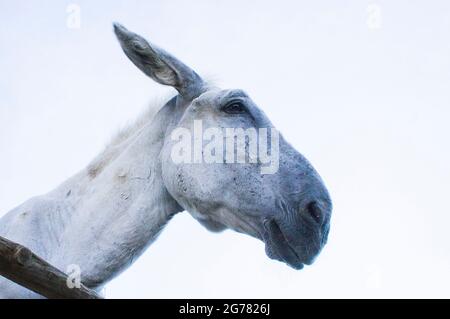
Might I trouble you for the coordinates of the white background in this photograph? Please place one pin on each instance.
(363, 91)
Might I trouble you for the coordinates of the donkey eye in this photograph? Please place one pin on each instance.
(235, 107)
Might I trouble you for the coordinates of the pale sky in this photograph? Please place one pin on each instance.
(361, 88)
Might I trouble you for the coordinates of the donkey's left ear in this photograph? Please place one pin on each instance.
(158, 64)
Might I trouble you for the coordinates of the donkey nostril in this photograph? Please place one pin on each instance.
(314, 211)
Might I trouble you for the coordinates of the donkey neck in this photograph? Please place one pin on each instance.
(117, 210)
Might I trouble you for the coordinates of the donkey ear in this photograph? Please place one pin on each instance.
(158, 64)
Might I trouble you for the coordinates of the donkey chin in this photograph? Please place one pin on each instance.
(283, 242)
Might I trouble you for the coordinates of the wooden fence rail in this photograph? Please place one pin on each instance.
(21, 265)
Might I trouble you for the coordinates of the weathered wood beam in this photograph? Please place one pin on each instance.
(19, 264)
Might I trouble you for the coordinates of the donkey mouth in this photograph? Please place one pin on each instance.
(278, 247)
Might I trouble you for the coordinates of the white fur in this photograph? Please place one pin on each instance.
(115, 208)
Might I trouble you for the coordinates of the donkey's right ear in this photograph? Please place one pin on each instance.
(158, 64)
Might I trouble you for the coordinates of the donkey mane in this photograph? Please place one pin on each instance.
(119, 140)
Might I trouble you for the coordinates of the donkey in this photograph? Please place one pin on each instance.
(105, 216)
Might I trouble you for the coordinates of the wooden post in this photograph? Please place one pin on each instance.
(19, 264)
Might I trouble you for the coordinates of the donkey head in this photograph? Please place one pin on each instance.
(215, 163)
